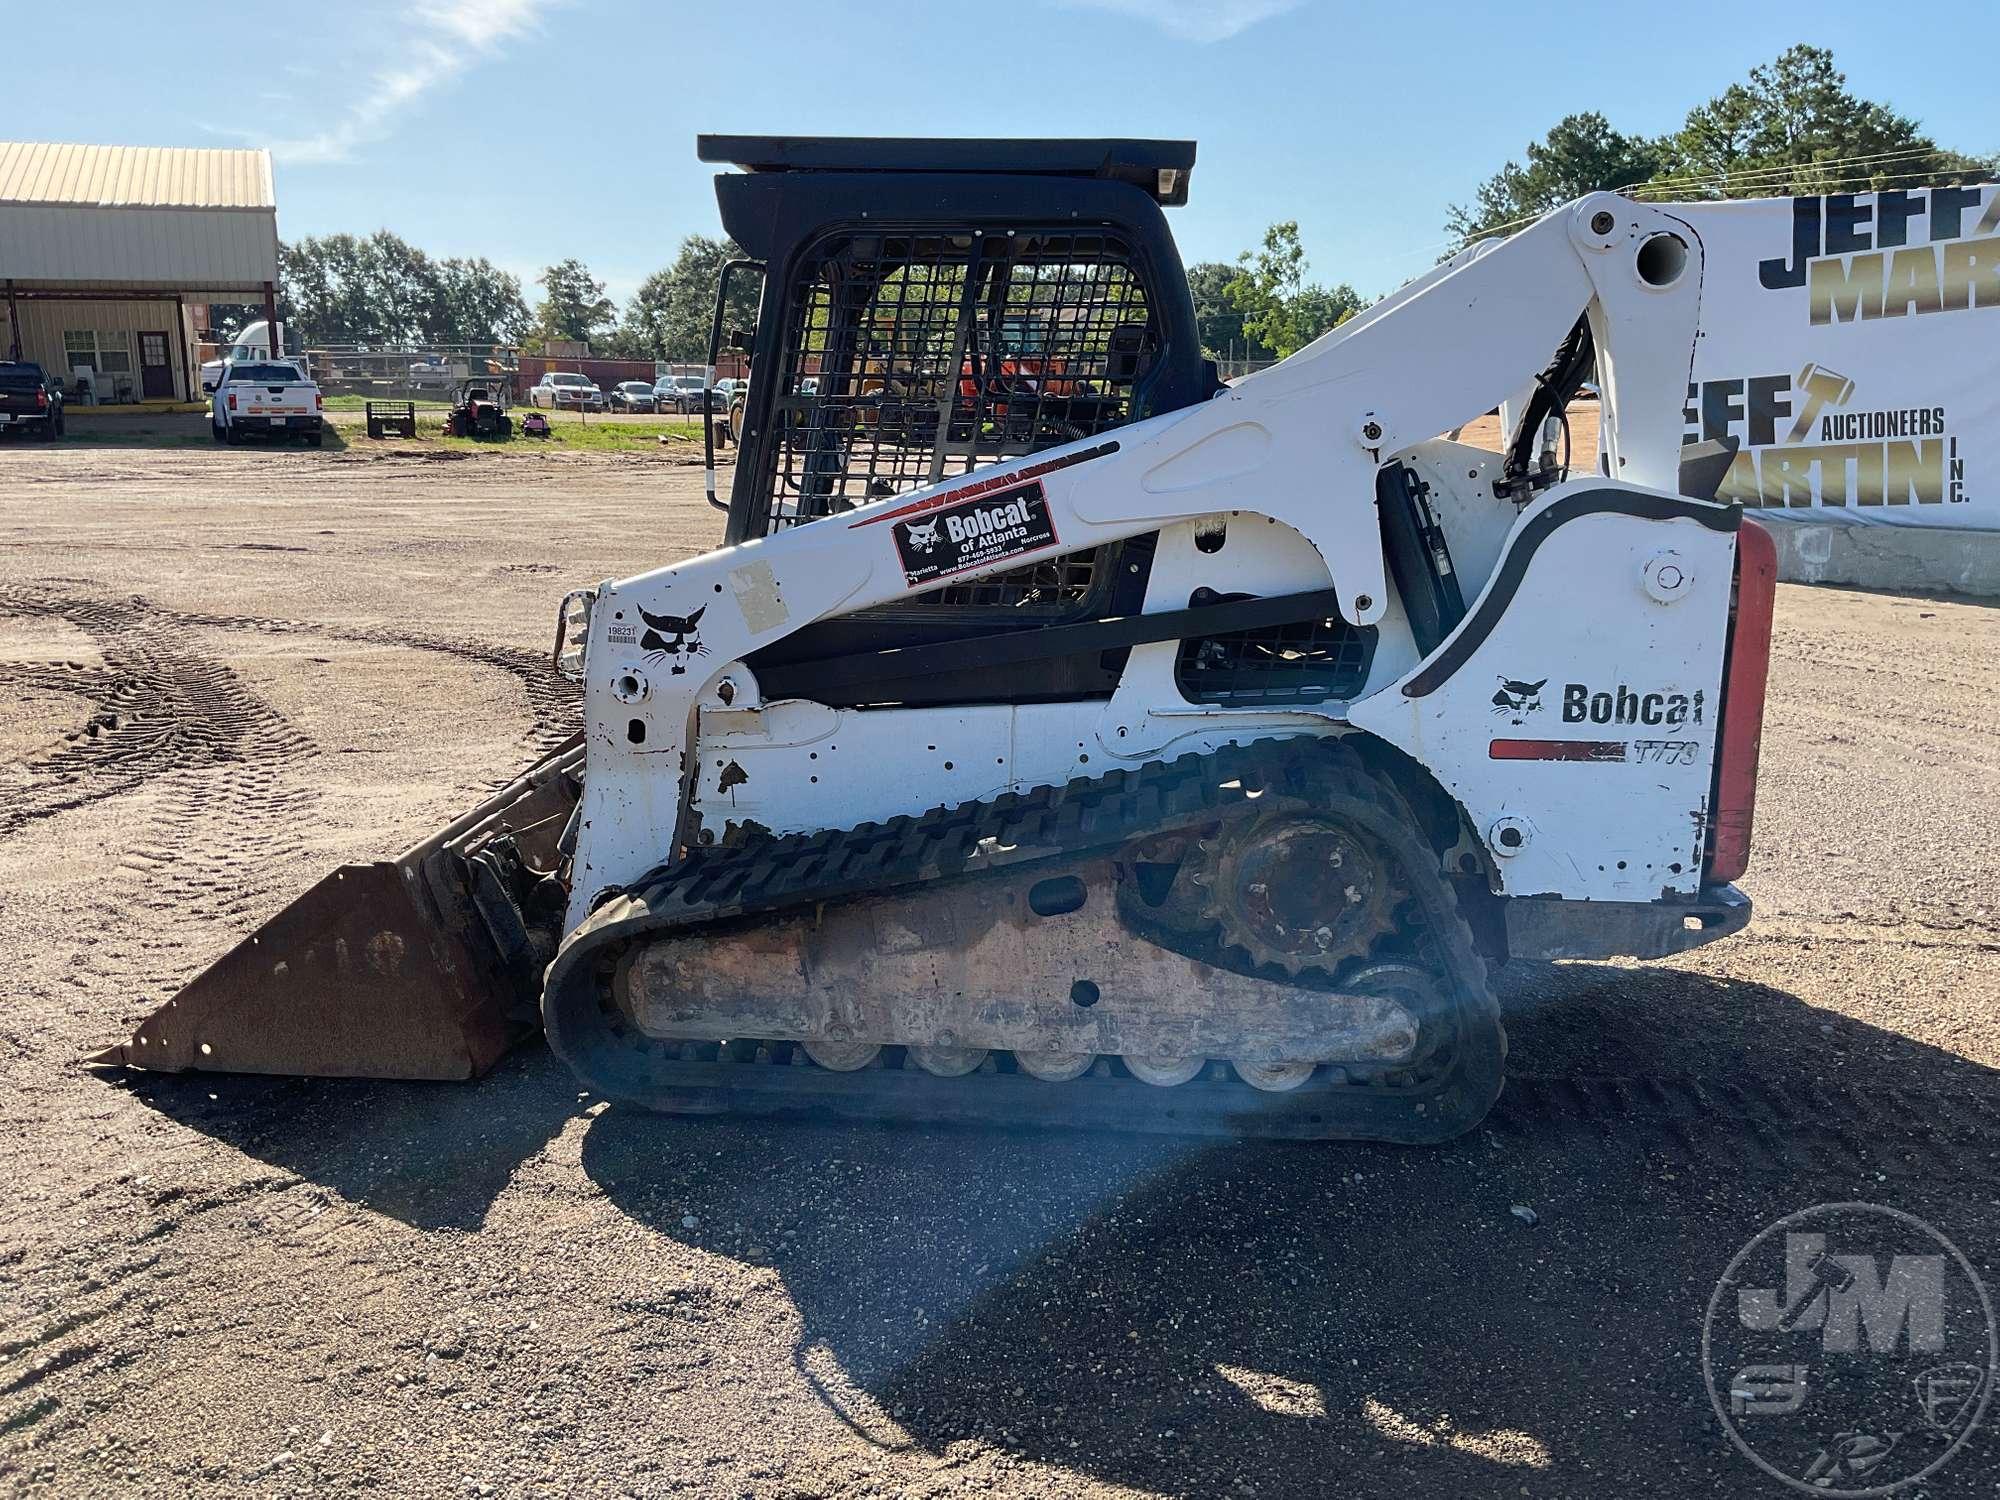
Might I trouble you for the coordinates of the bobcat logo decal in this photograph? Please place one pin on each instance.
(922, 538)
(673, 636)
(1518, 699)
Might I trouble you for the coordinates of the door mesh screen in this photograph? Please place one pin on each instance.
(913, 358)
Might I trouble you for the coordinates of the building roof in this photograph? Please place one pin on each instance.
(135, 176)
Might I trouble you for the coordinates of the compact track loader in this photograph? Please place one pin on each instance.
(1065, 735)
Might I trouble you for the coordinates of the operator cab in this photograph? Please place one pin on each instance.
(930, 307)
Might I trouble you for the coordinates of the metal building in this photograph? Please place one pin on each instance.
(103, 249)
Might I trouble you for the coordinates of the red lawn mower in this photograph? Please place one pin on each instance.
(479, 410)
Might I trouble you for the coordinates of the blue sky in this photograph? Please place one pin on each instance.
(530, 130)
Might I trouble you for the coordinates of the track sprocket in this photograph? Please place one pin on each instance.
(1297, 891)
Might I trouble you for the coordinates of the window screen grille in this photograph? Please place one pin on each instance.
(913, 358)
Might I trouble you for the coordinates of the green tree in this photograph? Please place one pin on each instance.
(1219, 321)
(1280, 311)
(668, 316)
(1794, 126)
(478, 303)
(382, 290)
(227, 319)
(1580, 154)
(329, 292)
(574, 305)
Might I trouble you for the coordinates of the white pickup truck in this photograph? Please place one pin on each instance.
(266, 398)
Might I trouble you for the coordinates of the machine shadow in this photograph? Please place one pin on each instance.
(434, 1155)
(1268, 1318)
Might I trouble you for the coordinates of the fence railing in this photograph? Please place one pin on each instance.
(1236, 369)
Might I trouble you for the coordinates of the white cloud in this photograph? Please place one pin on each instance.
(436, 42)
(1195, 20)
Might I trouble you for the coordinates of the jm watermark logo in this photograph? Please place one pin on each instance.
(1850, 1349)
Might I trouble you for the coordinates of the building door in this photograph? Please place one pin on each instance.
(156, 375)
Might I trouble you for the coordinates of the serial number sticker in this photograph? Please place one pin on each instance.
(1665, 752)
(973, 533)
(622, 635)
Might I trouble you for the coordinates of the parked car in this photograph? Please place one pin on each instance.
(685, 393)
(566, 388)
(633, 395)
(29, 400)
(266, 398)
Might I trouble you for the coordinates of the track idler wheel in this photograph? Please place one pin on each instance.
(842, 1056)
(1273, 1077)
(948, 1062)
(1164, 1072)
(1055, 1067)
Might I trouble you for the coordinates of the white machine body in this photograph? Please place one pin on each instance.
(1572, 714)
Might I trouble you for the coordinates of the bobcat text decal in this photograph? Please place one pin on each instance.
(1623, 705)
(992, 528)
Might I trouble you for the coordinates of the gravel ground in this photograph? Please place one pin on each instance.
(227, 671)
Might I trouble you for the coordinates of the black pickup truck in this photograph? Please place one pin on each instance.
(26, 401)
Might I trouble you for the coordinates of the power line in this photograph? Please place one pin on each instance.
(1816, 173)
(1752, 173)
(1863, 167)
(1856, 181)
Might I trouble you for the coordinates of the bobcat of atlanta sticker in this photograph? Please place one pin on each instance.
(972, 533)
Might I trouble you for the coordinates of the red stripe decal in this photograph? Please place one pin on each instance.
(1744, 674)
(1556, 750)
(986, 486)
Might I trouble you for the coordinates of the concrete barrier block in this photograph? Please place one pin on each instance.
(1902, 559)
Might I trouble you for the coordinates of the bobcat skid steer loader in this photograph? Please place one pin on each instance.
(1063, 735)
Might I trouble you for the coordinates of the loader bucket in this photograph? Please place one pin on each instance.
(426, 966)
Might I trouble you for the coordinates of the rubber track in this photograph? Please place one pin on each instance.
(1043, 825)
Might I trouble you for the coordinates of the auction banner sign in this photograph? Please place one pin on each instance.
(1851, 344)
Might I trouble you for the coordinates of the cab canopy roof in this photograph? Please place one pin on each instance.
(1160, 168)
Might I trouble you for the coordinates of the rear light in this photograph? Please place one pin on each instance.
(232, 401)
(41, 400)
(1746, 669)
(319, 402)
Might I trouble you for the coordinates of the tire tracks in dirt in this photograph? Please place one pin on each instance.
(218, 770)
(553, 701)
(161, 708)
(1762, 1125)
(215, 770)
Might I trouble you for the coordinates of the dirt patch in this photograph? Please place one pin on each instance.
(38, 719)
